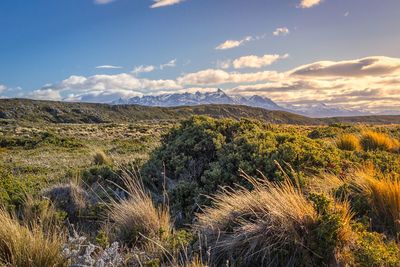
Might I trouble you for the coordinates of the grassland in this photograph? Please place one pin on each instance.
(192, 191)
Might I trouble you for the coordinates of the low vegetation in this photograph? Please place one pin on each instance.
(201, 192)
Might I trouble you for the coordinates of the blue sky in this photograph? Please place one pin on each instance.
(49, 49)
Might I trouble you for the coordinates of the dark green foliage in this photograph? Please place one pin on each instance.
(38, 139)
(324, 236)
(204, 154)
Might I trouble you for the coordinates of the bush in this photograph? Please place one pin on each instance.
(348, 142)
(205, 153)
(378, 141)
(373, 249)
(28, 246)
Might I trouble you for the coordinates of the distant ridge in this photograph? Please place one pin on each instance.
(36, 111)
(200, 98)
(220, 97)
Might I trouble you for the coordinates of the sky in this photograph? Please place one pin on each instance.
(344, 53)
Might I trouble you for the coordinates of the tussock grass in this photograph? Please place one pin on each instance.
(69, 197)
(349, 142)
(27, 245)
(383, 194)
(270, 224)
(136, 219)
(100, 158)
(371, 140)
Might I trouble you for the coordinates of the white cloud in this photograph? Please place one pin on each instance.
(309, 3)
(3, 88)
(347, 13)
(255, 61)
(103, 2)
(370, 84)
(224, 64)
(108, 67)
(170, 64)
(143, 69)
(281, 31)
(218, 77)
(229, 44)
(163, 3)
(369, 66)
(45, 94)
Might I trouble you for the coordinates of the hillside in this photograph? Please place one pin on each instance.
(28, 111)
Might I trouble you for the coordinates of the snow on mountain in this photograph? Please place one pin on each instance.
(199, 98)
(220, 97)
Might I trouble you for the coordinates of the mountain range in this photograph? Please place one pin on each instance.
(220, 97)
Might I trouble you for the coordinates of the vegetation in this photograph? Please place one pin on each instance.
(163, 193)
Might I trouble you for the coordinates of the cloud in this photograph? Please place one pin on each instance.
(3, 88)
(45, 94)
(346, 14)
(170, 64)
(103, 2)
(229, 44)
(218, 77)
(370, 84)
(255, 61)
(281, 31)
(81, 88)
(143, 69)
(108, 67)
(369, 66)
(163, 3)
(309, 3)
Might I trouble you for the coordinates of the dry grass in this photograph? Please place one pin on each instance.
(27, 245)
(68, 197)
(136, 219)
(383, 194)
(100, 158)
(255, 226)
(378, 141)
(348, 142)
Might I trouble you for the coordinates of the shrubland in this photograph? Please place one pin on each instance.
(204, 192)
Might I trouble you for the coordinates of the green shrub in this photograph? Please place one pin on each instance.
(373, 249)
(205, 154)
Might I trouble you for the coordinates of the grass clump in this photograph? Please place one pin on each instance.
(272, 224)
(27, 245)
(100, 158)
(136, 219)
(383, 196)
(371, 140)
(348, 142)
(69, 197)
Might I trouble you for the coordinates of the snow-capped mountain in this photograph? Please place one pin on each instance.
(220, 97)
(198, 98)
(320, 110)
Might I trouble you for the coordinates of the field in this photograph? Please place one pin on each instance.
(198, 191)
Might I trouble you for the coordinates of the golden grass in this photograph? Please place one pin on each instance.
(383, 193)
(100, 158)
(371, 140)
(254, 225)
(136, 218)
(349, 142)
(27, 245)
